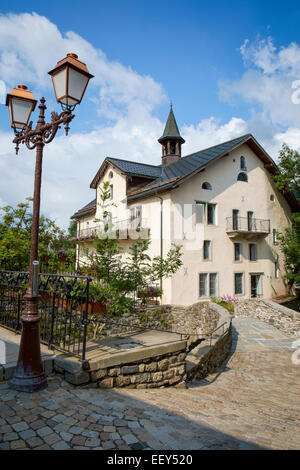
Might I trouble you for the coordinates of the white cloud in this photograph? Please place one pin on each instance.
(127, 102)
(210, 131)
(122, 96)
(268, 81)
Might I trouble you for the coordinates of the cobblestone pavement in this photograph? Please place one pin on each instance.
(254, 402)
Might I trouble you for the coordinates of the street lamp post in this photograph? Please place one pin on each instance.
(70, 78)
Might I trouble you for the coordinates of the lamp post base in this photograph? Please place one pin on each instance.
(29, 375)
(22, 382)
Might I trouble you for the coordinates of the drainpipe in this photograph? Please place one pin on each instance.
(161, 240)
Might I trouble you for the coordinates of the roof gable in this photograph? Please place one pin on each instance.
(129, 168)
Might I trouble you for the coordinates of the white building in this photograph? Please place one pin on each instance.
(220, 204)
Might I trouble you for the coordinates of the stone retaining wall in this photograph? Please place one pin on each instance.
(152, 372)
(277, 315)
(156, 366)
(206, 357)
(197, 319)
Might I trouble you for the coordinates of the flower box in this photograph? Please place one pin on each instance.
(94, 306)
(150, 292)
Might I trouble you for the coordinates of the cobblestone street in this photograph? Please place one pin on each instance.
(252, 402)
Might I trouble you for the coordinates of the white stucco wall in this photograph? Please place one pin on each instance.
(229, 194)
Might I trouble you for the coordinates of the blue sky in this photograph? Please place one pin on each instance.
(188, 46)
(228, 68)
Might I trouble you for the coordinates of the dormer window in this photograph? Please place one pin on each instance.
(242, 177)
(243, 163)
(206, 185)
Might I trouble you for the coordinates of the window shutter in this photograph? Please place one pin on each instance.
(199, 211)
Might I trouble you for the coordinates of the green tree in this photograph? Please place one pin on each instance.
(15, 238)
(288, 179)
(120, 277)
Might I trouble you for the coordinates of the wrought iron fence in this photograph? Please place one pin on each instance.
(69, 321)
(63, 306)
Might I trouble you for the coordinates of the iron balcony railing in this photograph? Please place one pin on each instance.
(119, 228)
(245, 224)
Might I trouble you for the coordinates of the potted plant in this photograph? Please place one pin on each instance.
(96, 303)
(149, 292)
(62, 256)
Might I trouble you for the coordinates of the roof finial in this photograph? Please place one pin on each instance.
(171, 104)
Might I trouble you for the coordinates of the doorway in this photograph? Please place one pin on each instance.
(255, 285)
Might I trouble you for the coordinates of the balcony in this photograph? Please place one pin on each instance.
(246, 227)
(126, 229)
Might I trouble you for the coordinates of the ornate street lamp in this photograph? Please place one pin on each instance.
(70, 78)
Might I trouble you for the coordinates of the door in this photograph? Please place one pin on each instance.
(255, 285)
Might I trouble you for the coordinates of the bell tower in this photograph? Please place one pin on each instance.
(171, 141)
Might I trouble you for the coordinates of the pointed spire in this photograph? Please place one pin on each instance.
(171, 128)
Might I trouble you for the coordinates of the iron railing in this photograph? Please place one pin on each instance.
(246, 224)
(63, 307)
(118, 229)
(69, 321)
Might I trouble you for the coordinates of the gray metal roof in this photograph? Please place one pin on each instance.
(135, 168)
(89, 208)
(187, 165)
(171, 129)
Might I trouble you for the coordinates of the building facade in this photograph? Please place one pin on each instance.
(220, 204)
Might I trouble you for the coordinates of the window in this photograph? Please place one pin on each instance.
(207, 250)
(250, 220)
(252, 252)
(237, 251)
(276, 268)
(206, 185)
(207, 284)
(110, 174)
(211, 214)
(238, 283)
(135, 216)
(206, 211)
(212, 284)
(235, 219)
(172, 148)
(200, 210)
(242, 177)
(203, 284)
(272, 198)
(243, 163)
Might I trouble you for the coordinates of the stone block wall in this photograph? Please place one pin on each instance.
(164, 365)
(206, 358)
(283, 318)
(197, 319)
(159, 371)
